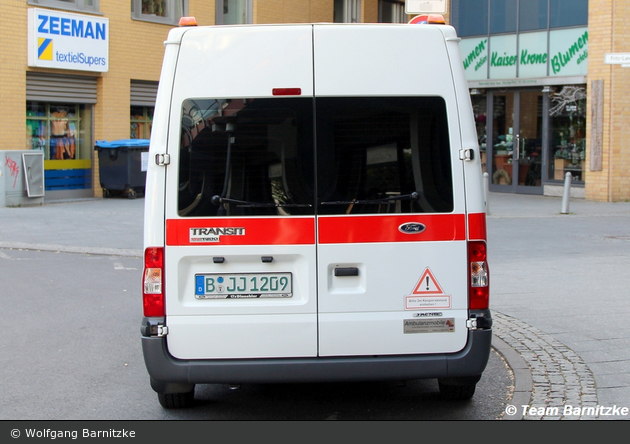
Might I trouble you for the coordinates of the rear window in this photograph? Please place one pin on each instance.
(306, 156)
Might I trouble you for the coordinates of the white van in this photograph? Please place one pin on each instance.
(314, 210)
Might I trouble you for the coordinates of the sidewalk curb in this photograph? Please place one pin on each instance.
(522, 377)
(127, 252)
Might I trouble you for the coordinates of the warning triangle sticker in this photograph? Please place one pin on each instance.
(427, 284)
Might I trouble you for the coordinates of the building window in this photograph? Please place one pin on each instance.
(141, 122)
(233, 12)
(502, 16)
(72, 5)
(568, 13)
(347, 11)
(470, 17)
(391, 12)
(159, 11)
(60, 130)
(533, 14)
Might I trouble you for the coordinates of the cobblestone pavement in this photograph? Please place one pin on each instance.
(559, 377)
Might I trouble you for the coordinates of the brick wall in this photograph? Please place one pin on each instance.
(13, 59)
(609, 32)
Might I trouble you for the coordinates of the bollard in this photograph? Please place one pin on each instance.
(486, 186)
(567, 193)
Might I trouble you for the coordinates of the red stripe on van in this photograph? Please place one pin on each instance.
(477, 226)
(356, 229)
(265, 231)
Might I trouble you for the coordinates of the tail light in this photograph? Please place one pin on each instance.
(479, 277)
(153, 291)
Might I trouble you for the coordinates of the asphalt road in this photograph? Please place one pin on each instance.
(71, 351)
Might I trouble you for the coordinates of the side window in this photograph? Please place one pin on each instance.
(383, 155)
(246, 157)
(159, 11)
(71, 5)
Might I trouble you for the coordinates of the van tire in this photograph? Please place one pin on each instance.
(457, 392)
(176, 400)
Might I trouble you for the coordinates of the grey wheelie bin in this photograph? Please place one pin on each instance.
(122, 166)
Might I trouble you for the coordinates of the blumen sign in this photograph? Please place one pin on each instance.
(67, 41)
(531, 55)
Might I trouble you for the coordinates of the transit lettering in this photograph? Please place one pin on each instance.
(228, 231)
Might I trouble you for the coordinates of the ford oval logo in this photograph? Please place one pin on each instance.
(412, 228)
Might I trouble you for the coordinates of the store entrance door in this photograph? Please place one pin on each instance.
(516, 148)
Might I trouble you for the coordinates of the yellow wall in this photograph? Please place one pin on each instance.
(13, 60)
(293, 11)
(609, 32)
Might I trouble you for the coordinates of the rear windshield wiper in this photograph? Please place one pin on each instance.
(412, 196)
(218, 200)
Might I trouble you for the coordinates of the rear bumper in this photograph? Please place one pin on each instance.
(166, 370)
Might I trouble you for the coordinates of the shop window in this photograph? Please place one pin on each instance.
(568, 13)
(76, 5)
(233, 12)
(567, 133)
(480, 110)
(347, 11)
(60, 130)
(391, 12)
(159, 11)
(141, 122)
(470, 17)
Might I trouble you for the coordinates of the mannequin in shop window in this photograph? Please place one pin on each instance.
(62, 142)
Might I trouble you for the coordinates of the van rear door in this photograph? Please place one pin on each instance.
(391, 227)
(240, 226)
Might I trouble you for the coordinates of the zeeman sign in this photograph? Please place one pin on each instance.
(67, 41)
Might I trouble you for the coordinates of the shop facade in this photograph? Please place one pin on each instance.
(536, 71)
(70, 82)
(526, 62)
(79, 71)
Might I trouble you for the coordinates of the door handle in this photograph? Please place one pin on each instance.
(518, 147)
(347, 271)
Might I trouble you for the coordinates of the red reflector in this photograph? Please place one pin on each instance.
(154, 306)
(286, 91)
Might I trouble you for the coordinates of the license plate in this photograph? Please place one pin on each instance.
(243, 285)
